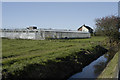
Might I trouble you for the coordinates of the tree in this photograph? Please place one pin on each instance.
(108, 26)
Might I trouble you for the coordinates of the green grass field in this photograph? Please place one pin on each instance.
(111, 69)
(18, 54)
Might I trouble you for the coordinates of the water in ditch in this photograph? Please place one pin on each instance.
(93, 69)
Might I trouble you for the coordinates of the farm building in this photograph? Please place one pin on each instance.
(41, 34)
(32, 27)
(85, 28)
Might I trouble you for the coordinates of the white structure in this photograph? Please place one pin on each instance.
(42, 34)
(85, 28)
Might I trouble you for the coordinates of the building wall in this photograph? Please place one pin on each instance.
(85, 29)
(41, 35)
(22, 35)
(66, 34)
(80, 29)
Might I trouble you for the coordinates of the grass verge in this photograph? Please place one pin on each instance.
(111, 69)
(44, 59)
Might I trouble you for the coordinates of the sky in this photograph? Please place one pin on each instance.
(55, 15)
(60, 0)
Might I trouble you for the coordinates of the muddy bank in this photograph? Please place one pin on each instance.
(59, 69)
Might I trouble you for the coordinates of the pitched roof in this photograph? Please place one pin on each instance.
(86, 27)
